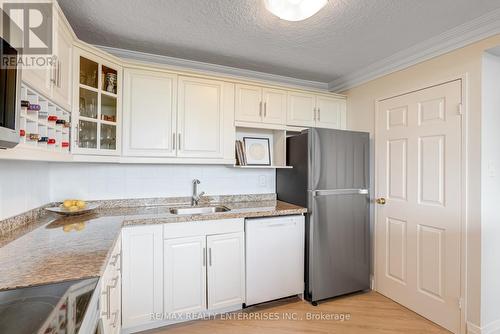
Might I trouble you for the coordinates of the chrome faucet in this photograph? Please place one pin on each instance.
(196, 197)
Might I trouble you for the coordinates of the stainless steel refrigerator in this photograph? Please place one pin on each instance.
(330, 176)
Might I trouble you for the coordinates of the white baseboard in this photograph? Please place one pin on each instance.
(162, 323)
(473, 329)
(491, 328)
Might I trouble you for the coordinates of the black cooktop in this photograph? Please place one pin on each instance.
(46, 309)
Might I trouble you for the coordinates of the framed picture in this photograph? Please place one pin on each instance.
(257, 151)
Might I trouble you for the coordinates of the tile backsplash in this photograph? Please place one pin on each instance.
(25, 185)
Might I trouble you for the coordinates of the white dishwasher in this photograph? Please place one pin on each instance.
(274, 258)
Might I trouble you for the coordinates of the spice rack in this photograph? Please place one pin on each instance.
(47, 127)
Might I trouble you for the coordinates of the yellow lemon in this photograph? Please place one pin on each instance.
(67, 203)
(73, 208)
(81, 204)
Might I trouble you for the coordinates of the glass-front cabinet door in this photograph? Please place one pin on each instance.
(97, 108)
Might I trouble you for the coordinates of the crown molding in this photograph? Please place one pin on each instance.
(467, 33)
(213, 69)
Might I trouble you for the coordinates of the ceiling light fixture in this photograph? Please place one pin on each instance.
(294, 10)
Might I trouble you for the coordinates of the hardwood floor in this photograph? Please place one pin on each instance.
(369, 312)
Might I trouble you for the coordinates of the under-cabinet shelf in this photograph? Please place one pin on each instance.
(277, 143)
(263, 167)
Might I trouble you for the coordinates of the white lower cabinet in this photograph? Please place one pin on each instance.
(194, 263)
(175, 271)
(110, 297)
(226, 270)
(142, 274)
(185, 275)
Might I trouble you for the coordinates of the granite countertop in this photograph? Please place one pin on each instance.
(56, 249)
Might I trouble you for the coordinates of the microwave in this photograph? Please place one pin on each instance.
(10, 87)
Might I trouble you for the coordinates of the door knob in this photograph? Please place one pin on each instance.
(380, 201)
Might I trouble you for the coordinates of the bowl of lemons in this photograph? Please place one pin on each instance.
(73, 207)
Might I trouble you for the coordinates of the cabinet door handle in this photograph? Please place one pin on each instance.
(319, 114)
(260, 109)
(115, 282)
(210, 257)
(117, 262)
(115, 319)
(53, 73)
(173, 141)
(265, 109)
(314, 114)
(204, 257)
(56, 74)
(59, 74)
(115, 259)
(108, 306)
(179, 142)
(77, 134)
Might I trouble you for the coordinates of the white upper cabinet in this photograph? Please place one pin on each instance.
(38, 79)
(260, 105)
(330, 112)
(248, 103)
(226, 270)
(202, 109)
(96, 117)
(185, 275)
(149, 113)
(166, 115)
(301, 109)
(62, 69)
(274, 108)
(54, 81)
(310, 110)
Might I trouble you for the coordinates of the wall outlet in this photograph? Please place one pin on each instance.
(492, 171)
(262, 180)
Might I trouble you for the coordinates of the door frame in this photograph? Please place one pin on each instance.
(463, 301)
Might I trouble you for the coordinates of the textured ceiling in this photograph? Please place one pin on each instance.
(343, 37)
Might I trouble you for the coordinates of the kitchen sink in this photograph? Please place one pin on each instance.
(198, 210)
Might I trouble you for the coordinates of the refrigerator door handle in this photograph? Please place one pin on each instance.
(340, 192)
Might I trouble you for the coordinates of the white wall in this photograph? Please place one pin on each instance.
(26, 185)
(23, 186)
(490, 192)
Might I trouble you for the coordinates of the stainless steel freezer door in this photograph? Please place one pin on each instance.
(338, 159)
(339, 245)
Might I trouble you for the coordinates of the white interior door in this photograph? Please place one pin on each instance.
(226, 270)
(185, 275)
(418, 156)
